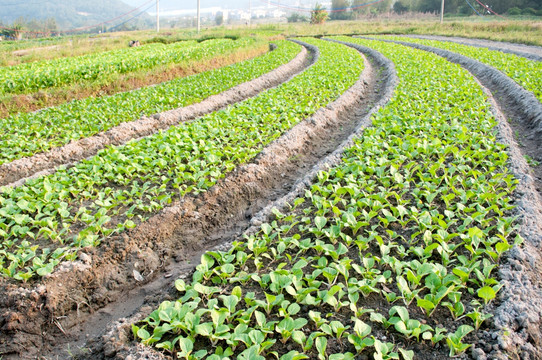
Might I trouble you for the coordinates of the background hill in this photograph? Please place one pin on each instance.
(69, 14)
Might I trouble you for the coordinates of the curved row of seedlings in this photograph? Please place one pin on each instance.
(27, 134)
(525, 72)
(391, 252)
(49, 218)
(30, 77)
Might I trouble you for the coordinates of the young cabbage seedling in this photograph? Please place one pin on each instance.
(454, 340)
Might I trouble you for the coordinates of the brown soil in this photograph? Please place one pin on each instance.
(13, 104)
(62, 313)
(17, 172)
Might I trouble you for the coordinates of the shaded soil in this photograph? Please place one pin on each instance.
(68, 311)
(17, 172)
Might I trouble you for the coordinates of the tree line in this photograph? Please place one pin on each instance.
(348, 9)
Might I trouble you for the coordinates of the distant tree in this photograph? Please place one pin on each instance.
(428, 6)
(340, 10)
(383, 6)
(399, 7)
(219, 18)
(319, 14)
(13, 32)
(359, 10)
(295, 17)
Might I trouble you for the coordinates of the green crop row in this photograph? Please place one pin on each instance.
(123, 185)
(523, 71)
(30, 77)
(27, 134)
(401, 239)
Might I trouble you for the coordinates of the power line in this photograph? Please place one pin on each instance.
(472, 7)
(489, 9)
(132, 18)
(80, 28)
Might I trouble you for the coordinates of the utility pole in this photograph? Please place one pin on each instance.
(157, 15)
(442, 12)
(198, 21)
(249, 12)
(103, 12)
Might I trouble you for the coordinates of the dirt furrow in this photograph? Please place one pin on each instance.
(17, 172)
(317, 143)
(526, 51)
(71, 309)
(518, 316)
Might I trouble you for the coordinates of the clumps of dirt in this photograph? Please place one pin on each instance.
(526, 51)
(517, 320)
(19, 171)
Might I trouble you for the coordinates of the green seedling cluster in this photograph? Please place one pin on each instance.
(523, 71)
(407, 229)
(26, 134)
(30, 77)
(121, 186)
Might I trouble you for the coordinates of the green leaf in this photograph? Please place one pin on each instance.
(320, 222)
(293, 355)
(407, 354)
(361, 328)
(180, 285)
(487, 293)
(143, 334)
(299, 337)
(266, 228)
(205, 329)
(321, 345)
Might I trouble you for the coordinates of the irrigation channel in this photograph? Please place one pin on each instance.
(73, 311)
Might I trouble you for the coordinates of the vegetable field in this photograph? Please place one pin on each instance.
(244, 234)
